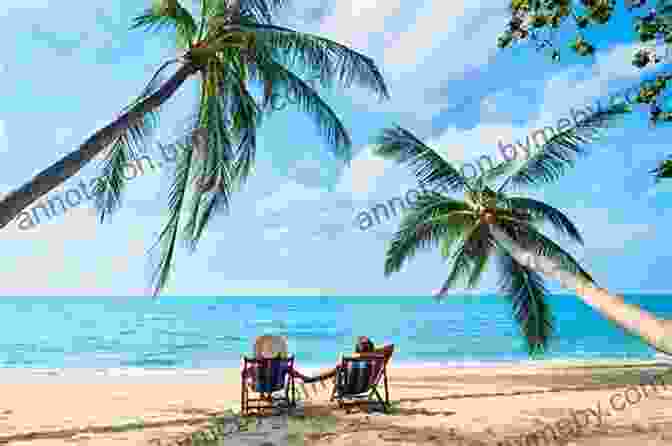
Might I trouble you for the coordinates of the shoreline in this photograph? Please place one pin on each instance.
(221, 374)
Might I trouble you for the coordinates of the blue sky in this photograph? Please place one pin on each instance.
(293, 230)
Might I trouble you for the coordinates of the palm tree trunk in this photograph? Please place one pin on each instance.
(51, 177)
(654, 331)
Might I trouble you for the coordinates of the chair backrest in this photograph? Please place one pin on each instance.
(269, 374)
(357, 374)
(386, 351)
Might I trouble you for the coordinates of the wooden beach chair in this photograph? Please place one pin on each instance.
(266, 377)
(358, 378)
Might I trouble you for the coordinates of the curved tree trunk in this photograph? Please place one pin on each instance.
(654, 331)
(51, 177)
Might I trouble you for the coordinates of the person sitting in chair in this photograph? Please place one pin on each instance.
(266, 347)
(364, 345)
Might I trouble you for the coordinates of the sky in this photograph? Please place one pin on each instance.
(294, 228)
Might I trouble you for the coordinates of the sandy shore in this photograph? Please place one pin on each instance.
(439, 406)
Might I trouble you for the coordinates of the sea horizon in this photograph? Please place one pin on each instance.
(202, 333)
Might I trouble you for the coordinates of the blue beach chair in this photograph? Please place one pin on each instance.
(267, 377)
(358, 378)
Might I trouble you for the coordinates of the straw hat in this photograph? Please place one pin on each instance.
(269, 346)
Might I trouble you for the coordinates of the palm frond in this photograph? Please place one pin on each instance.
(262, 11)
(470, 258)
(280, 80)
(179, 19)
(245, 118)
(664, 170)
(540, 211)
(531, 311)
(461, 267)
(167, 240)
(429, 167)
(530, 238)
(502, 169)
(329, 59)
(418, 231)
(110, 184)
(560, 152)
(212, 176)
(479, 247)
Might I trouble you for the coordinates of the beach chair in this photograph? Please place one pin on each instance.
(358, 378)
(267, 377)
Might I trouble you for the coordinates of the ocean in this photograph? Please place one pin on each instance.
(213, 332)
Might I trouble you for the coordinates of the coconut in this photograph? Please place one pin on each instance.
(488, 217)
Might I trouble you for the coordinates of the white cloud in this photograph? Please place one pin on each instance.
(287, 194)
(354, 22)
(564, 92)
(69, 255)
(602, 231)
(441, 25)
(419, 44)
(365, 169)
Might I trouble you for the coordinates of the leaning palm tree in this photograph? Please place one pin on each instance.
(231, 49)
(490, 223)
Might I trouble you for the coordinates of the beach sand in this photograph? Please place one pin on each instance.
(433, 406)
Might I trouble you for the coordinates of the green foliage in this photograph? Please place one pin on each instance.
(528, 295)
(536, 21)
(109, 186)
(430, 168)
(167, 240)
(432, 218)
(664, 170)
(540, 212)
(169, 14)
(551, 161)
(235, 46)
(463, 229)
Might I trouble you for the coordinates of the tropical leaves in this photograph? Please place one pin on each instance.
(432, 218)
(234, 46)
(559, 153)
(527, 236)
(430, 169)
(470, 258)
(167, 240)
(664, 170)
(314, 54)
(279, 79)
(262, 11)
(541, 212)
(169, 15)
(465, 230)
(109, 186)
(529, 300)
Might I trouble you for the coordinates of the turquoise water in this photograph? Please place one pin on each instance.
(193, 332)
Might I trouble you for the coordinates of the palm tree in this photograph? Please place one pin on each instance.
(492, 224)
(233, 47)
(664, 170)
